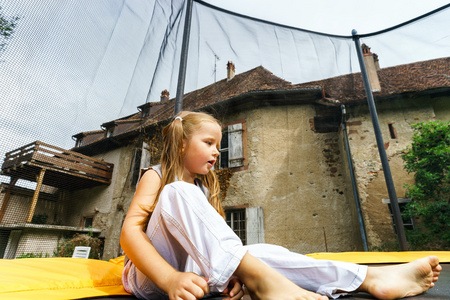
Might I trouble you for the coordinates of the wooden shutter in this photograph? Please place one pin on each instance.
(254, 225)
(235, 146)
(145, 156)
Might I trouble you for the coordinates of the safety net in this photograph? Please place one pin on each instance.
(86, 87)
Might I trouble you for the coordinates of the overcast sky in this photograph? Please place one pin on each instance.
(333, 16)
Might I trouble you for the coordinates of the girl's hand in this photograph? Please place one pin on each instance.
(235, 289)
(186, 286)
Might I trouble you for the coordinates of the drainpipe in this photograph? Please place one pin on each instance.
(352, 177)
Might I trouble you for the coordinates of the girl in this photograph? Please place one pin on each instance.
(180, 247)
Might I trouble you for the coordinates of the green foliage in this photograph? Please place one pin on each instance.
(7, 27)
(33, 255)
(428, 157)
(66, 246)
(386, 247)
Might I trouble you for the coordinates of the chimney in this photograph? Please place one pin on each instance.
(164, 95)
(377, 63)
(230, 70)
(372, 66)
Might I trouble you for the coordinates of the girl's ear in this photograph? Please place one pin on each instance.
(184, 145)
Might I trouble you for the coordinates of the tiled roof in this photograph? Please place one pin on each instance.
(257, 79)
(416, 77)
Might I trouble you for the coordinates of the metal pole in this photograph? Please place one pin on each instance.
(352, 178)
(184, 56)
(384, 161)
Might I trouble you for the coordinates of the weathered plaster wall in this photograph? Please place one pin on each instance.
(19, 206)
(297, 177)
(45, 244)
(370, 176)
(107, 204)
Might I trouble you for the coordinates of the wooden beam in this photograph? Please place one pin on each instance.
(12, 182)
(36, 195)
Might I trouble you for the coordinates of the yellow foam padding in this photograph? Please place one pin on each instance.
(59, 278)
(72, 278)
(381, 257)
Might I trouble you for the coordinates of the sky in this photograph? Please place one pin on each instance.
(73, 65)
(331, 16)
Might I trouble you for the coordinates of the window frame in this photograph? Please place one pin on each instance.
(402, 202)
(240, 128)
(241, 231)
(85, 218)
(253, 223)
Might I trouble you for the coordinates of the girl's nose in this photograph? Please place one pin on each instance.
(216, 152)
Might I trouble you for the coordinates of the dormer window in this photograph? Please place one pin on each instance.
(109, 128)
(78, 138)
(110, 131)
(79, 142)
(145, 111)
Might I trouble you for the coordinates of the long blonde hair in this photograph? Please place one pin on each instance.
(172, 159)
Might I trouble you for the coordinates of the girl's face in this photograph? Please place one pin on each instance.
(201, 150)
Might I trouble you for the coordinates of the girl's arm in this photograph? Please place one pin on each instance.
(138, 247)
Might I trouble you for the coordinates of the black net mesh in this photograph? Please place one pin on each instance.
(73, 74)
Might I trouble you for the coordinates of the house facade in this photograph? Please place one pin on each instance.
(285, 164)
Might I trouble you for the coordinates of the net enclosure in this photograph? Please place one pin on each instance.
(86, 87)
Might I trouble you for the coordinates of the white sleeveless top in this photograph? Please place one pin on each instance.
(158, 170)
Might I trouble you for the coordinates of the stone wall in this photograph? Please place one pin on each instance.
(299, 179)
(400, 114)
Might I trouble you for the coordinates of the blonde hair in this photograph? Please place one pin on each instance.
(172, 159)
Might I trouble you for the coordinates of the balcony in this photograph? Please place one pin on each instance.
(63, 168)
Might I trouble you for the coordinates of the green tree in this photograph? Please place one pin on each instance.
(7, 28)
(428, 157)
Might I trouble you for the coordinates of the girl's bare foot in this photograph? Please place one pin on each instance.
(405, 280)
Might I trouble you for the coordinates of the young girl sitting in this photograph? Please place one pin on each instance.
(180, 247)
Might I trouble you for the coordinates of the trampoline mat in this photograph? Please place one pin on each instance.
(441, 290)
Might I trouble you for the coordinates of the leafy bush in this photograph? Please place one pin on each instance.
(33, 255)
(428, 157)
(66, 246)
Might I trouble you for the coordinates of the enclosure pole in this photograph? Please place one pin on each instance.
(384, 161)
(353, 180)
(183, 59)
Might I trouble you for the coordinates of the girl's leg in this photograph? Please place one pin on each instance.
(184, 224)
(331, 278)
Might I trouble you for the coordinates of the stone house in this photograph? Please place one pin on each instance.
(284, 157)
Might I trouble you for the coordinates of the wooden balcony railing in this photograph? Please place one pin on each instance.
(63, 168)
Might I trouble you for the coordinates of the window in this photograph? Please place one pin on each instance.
(141, 160)
(236, 220)
(88, 221)
(136, 166)
(232, 147)
(408, 223)
(247, 223)
(110, 131)
(392, 131)
(79, 142)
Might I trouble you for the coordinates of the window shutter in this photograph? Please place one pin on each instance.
(236, 151)
(254, 225)
(145, 156)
